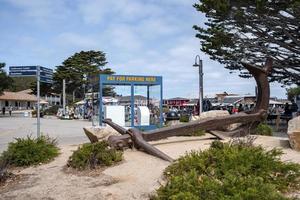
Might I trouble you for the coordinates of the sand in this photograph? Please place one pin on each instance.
(138, 176)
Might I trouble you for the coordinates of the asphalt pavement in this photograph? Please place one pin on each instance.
(66, 131)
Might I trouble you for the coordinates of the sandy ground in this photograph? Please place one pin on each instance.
(135, 178)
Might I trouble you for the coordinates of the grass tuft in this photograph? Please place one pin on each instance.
(184, 118)
(198, 132)
(264, 129)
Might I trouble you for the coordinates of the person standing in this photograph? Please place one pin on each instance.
(3, 110)
(287, 110)
(10, 110)
(294, 109)
(240, 108)
(235, 110)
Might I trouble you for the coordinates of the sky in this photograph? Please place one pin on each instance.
(139, 37)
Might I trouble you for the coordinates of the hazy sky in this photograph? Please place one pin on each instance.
(140, 37)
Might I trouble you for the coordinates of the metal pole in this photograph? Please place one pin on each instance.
(161, 117)
(132, 105)
(200, 87)
(148, 96)
(100, 102)
(64, 97)
(38, 102)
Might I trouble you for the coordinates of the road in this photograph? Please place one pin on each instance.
(66, 131)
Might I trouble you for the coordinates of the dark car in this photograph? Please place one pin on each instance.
(172, 115)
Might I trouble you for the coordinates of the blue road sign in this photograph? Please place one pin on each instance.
(22, 68)
(46, 80)
(22, 73)
(43, 74)
(46, 70)
(46, 74)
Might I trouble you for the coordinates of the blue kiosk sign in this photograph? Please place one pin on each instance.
(132, 81)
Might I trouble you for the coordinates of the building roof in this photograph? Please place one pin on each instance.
(18, 96)
(177, 98)
(127, 98)
(191, 102)
(225, 94)
(275, 102)
(232, 100)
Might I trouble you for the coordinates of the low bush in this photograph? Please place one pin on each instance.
(198, 132)
(91, 155)
(30, 151)
(52, 110)
(184, 118)
(34, 113)
(264, 129)
(230, 171)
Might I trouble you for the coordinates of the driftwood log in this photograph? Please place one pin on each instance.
(248, 121)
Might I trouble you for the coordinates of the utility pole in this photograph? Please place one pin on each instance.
(198, 63)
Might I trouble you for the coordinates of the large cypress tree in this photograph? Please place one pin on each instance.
(250, 31)
(81, 70)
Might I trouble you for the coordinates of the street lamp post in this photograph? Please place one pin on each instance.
(198, 63)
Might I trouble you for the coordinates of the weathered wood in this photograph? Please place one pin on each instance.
(120, 141)
(115, 126)
(263, 88)
(139, 142)
(3, 170)
(216, 123)
(93, 138)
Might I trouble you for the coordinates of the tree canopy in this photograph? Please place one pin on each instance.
(22, 83)
(293, 92)
(250, 31)
(81, 71)
(5, 81)
(45, 88)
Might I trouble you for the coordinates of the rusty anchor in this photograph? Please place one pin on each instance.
(248, 120)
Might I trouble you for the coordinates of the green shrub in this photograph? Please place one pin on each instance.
(34, 113)
(52, 110)
(263, 129)
(91, 155)
(198, 132)
(230, 171)
(184, 118)
(30, 151)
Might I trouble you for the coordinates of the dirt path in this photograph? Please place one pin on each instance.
(135, 178)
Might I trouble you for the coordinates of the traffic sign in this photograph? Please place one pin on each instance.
(22, 68)
(46, 70)
(42, 74)
(22, 73)
(46, 74)
(46, 80)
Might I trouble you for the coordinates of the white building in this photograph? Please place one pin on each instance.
(24, 100)
(18, 100)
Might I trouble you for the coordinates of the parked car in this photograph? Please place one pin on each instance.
(172, 115)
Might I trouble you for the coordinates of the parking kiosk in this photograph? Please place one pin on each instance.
(145, 116)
